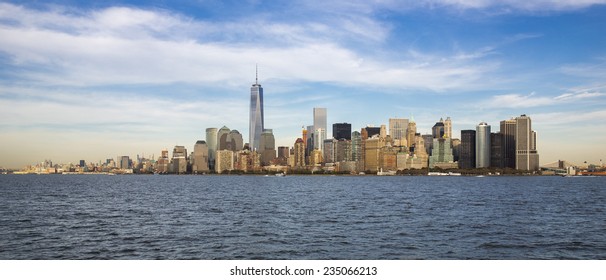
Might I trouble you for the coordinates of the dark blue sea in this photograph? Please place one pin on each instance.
(301, 217)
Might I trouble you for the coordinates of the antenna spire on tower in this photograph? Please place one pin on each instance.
(256, 74)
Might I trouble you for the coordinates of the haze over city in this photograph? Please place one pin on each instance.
(92, 81)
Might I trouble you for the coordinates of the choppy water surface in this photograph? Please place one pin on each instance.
(301, 217)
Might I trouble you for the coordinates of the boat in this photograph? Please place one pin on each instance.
(386, 173)
(280, 174)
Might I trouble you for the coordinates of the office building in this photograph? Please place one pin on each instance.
(437, 131)
(225, 161)
(448, 128)
(319, 137)
(299, 153)
(124, 162)
(508, 131)
(211, 142)
(411, 133)
(356, 146)
(320, 117)
(441, 154)
(222, 138)
(256, 124)
(496, 150)
(372, 131)
(527, 157)
(235, 142)
(482, 145)
(341, 131)
(397, 128)
(329, 150)
(179, 160)
(343, 150)
(467, 150)
(267, 147)
(200, 157)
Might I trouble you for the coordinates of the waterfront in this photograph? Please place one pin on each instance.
(301, 217)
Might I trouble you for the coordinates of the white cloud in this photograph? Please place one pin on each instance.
(132, 46)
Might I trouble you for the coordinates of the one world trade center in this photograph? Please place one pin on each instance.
(256, 114)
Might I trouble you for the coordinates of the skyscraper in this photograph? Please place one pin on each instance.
(211, 142)
(496, 150)
(222, 136)
(319, 123)
(256, 124)
(319, 137)
(411, 132)
(437, 131)
(527, 157)
(320, 118)
(341, 131)
(467, 158)
(508, 145)
(200, 157)
(299, 153)
(397, 128)
(267, 147)
(448, 128)
(482, 145)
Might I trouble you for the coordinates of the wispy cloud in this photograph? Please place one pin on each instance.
(134, 46)
(515, 100)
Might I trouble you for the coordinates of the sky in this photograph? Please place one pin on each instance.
(94, 80)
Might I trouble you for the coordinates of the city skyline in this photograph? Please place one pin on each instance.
(125, 79)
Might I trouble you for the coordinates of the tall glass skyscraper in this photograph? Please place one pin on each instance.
(319, 123)
(482, 145)
(256, 115)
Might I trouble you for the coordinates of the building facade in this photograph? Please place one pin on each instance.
(467, 150)
(527, 157)
(482, 145)
(200, 157)
(341, 131)
(256, 119)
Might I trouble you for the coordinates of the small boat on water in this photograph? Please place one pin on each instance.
(386, 173)
(280, 174)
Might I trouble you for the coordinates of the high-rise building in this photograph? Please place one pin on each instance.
(527, 157)
(179, 160)
(467, 150)
(437, 131)
(496, 150)
(411, 132)
(373, 130)
(299, 153)
(319, 137)
(225, 161)
(356, 146)
(124, 162)
(235, 141)
(200, 157)
(163, 163)
(441, 154)
(371, 151)
(397, 128)
(267, 147)
(320, 118)
(256, 124)
(383, 131)
(508, 130)
(448, 128)
(283, 152)
(211, 142)
(341, 131)
(343, 150)
(330, 150)
(482, 145)
(222, 138)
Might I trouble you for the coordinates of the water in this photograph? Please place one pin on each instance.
(301, 217)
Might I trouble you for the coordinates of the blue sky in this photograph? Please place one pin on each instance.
(94, 80)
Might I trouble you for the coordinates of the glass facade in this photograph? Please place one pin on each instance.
(256, 116)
